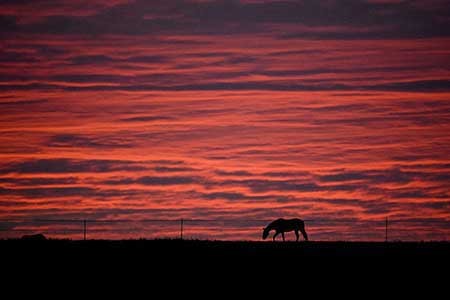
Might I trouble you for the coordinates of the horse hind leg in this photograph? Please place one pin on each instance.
(296, 235)
(303, 231)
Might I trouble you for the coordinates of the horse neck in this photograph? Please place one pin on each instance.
(270, 227)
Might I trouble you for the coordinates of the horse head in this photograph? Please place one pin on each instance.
(265, 233)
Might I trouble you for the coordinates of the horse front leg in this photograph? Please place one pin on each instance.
(296, 235)
(282, 234)
(275, 235)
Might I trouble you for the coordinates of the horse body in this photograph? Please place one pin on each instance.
(286, 225)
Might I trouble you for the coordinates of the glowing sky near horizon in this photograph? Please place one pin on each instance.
(324, 110)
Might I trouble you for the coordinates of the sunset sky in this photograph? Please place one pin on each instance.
(337, 112)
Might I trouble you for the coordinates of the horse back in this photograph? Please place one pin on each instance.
(287, 224)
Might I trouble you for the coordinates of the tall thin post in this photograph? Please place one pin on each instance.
(181, 228)
(84, 229)
(386, 230)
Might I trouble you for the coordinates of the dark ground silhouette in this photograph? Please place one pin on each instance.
(176, 248)
(221, 261)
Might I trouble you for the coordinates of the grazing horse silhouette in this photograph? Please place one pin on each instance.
(283, 225)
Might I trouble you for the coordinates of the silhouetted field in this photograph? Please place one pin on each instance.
(197, 262)
(187, 249)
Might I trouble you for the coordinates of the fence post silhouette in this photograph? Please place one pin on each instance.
(181, 228)
(84, 229)
(386, 230)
